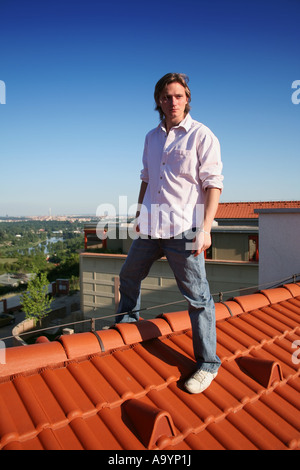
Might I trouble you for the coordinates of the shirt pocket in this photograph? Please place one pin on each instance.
(182, 162)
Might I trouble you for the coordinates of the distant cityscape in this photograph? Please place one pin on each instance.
(63, 218)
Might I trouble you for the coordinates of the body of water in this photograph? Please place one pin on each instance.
(46, 244)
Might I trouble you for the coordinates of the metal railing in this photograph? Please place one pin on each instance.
(220, 295)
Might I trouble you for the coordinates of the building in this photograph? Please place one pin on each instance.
(279, 241)
(234, 233)
(232, 262)
(99, 283)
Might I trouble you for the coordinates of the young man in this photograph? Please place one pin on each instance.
(178, 200)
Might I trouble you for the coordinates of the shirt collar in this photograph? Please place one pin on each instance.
(186, 123)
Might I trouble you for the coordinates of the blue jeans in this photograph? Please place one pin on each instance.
(190, 275)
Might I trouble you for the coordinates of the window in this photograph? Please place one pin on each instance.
(253, 247)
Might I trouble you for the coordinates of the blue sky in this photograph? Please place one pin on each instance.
(79, 79)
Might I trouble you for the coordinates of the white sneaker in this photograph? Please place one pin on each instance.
(199, 381)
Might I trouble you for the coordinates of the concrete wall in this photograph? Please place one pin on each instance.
(279, 248)
(99, 275)
(25, 325)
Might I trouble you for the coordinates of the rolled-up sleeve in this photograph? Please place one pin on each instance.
(144, 172)
(210, 164)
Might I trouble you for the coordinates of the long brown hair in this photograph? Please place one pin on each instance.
(166, 80)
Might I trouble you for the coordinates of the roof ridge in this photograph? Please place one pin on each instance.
(24, 360)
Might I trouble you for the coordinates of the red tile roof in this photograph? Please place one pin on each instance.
(245, 210)
(125, 391)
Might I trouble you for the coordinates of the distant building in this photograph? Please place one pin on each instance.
(235, 236)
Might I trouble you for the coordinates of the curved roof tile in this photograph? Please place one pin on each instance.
(252, 301)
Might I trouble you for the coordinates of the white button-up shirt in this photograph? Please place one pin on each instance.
(178, 168)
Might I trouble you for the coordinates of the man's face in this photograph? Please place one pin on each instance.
(173, 101)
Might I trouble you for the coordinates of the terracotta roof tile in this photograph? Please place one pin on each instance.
(277, 295)
(178, 320)
(293, 288)
(122, 388)
(77, 346)
(142, 330)
(253, 301)
(32, 357)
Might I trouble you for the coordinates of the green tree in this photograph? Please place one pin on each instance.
(35, 301)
